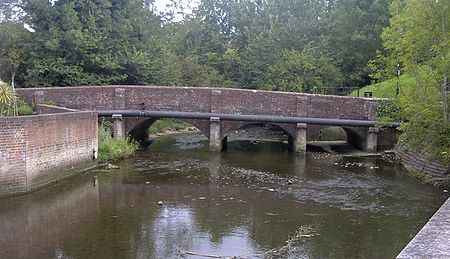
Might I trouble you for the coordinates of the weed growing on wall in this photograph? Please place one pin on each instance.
(113, 149)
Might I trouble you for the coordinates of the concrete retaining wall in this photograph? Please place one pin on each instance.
(37, 150)
(422, 163)
(433, 240)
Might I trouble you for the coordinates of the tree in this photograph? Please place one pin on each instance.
(84, 42)
(418, 39)
(353, 35)
(12, 36)
(308, 71)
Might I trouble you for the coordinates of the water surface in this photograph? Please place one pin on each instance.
(254, 201)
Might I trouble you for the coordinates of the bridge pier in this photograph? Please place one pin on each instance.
(297, 143)
(372, 140)
(215, 140)
(118, 126)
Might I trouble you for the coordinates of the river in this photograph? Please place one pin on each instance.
(257, 200)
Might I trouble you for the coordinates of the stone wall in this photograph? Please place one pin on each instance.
(37, 150)
(422, 163)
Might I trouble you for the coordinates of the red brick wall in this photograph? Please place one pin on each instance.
(36, 150)
(13, 140)
(203, 99)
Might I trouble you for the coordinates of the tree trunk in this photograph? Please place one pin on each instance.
(445, 83)
(13, 76)
(445, 97)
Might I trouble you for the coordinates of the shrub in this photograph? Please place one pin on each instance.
(23, 108)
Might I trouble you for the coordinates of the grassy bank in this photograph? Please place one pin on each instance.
(387, 89)
(113, 149)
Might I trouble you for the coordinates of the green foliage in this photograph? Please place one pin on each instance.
(92, 43)
(162, 125)
(113, 149)
(307, 71)
(23, 108)
(418, 39)
(233, 43)
(284, 45)
(389, 110)
(12, 36)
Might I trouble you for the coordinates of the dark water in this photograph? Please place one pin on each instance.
(254, 201)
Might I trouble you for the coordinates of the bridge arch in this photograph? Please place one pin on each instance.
(355, 136)
(230, 127)
(138, 128)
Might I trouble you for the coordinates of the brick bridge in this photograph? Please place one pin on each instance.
(217, 100)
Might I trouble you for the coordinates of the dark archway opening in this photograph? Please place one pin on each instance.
(146, 131)
(257, 137)
(334, 139)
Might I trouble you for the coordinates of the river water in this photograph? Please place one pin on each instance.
(177, 200)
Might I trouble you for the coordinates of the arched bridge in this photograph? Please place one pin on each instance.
(300, 115)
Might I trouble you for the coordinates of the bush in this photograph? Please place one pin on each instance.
(23, 108)
(113, 149)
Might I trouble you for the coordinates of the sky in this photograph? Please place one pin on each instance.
(188, 4)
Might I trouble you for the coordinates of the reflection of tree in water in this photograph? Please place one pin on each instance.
(122, 232)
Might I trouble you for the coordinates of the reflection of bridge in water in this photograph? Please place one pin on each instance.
(217, 112)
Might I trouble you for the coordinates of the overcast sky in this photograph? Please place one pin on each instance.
(188, 4)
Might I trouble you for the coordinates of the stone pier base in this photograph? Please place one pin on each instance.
(215, 139)
(372, 140)
(297, 143)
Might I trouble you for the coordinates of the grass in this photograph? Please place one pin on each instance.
(162, 125)
(387, 89)
(113, 149)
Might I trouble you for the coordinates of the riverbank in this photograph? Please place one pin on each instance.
(423, 166)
